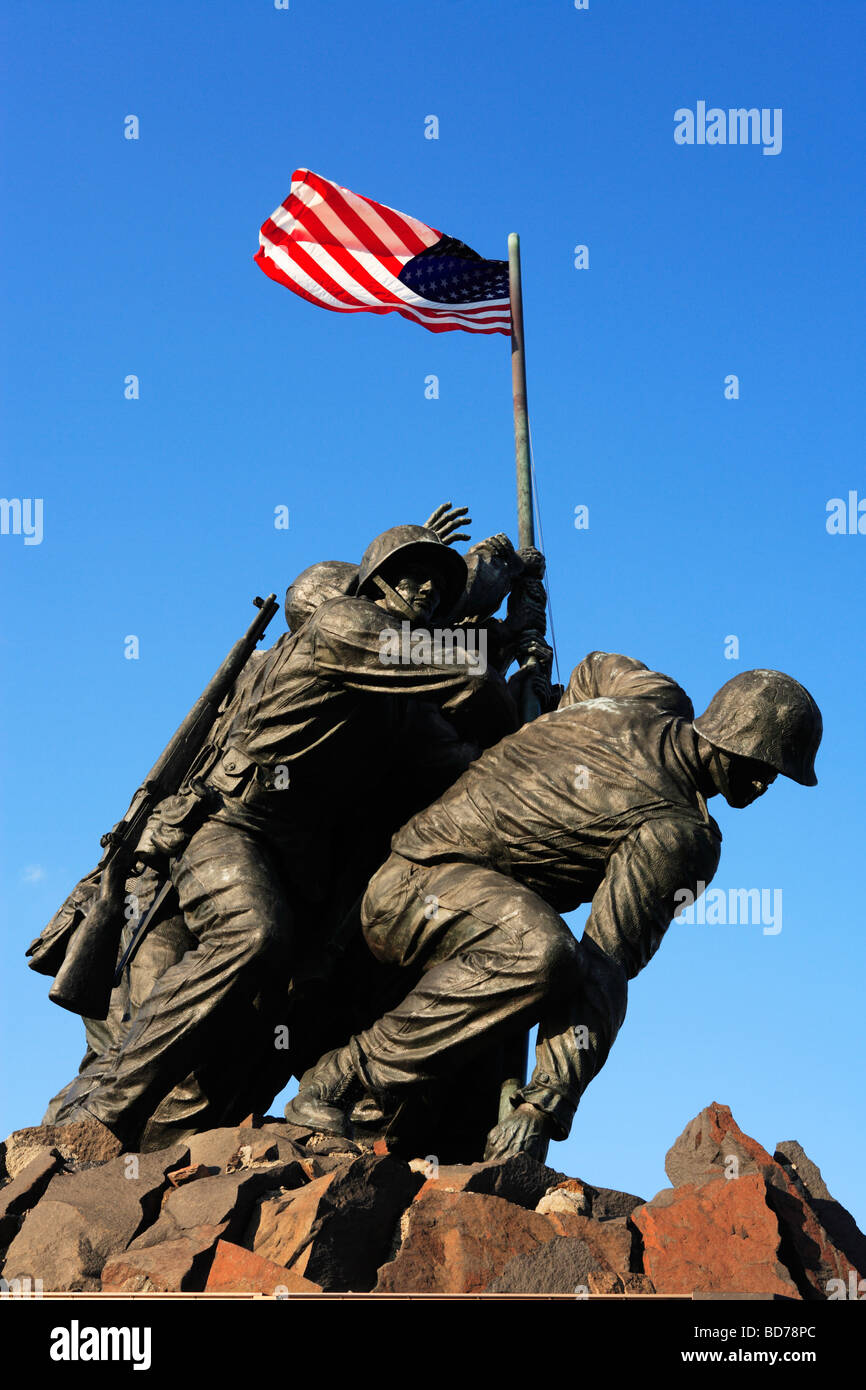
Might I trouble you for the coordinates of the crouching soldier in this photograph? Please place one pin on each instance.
(603, 801)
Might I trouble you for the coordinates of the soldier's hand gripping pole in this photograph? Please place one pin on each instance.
(84, 981)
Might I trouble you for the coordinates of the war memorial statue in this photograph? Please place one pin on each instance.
(368, 852)
(363, 838)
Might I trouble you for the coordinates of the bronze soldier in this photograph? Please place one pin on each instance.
(603, 800)
(252, 835)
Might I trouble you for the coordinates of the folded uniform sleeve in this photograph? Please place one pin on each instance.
(610, 675)
(364, 648)
(644, 886)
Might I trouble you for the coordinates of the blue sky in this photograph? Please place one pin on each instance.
(707, 515)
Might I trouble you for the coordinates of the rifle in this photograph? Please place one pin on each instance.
(85, 978)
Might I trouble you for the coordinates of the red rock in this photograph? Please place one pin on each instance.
(173, 1266)
(459, 1242)
(236, 1270)
(717, 1237)
(194, 1217)
(810, 1253)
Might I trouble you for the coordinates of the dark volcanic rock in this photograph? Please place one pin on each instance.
(519, 1179)
(562, 1265)
(23, 1192)
(836, 1221)
(217, 1147)
(176, 1252)
(338, 1230)
(706, 1147)
(83, 1218)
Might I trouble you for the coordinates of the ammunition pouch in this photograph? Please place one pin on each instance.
(232, 773)
(171, 827)
(238, 778)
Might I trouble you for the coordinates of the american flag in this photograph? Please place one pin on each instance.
(347, 253)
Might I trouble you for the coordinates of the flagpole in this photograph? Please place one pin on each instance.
(516, 1049)
(531, 706)
(525, 526)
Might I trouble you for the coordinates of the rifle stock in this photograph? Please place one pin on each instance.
(83, 982)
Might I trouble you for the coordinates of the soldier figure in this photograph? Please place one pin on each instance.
(603, 800)
(257, 837)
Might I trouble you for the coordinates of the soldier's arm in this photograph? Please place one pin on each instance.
(365, 648)
(611, 675)
(494, 566)
(631, 911)
(642, 888)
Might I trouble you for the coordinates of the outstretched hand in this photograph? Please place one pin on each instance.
(446, 522)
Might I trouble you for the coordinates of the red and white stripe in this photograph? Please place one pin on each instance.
(344, 252)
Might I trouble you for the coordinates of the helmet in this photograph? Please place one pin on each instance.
(314, 586)
(768, 716)
(418, 545)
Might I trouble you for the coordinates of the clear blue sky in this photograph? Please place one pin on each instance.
(707, 515)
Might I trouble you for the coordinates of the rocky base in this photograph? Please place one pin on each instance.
(266, 1207)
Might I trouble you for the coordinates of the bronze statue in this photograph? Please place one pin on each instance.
(320, 753)
(601, 801)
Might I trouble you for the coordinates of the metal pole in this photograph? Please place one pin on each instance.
(516, 1050)
(525, 526)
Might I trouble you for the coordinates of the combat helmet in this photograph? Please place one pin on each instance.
(418, 545)
(314, 586)
(768, 716)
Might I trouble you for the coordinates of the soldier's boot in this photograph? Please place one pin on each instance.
(328, 1093)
